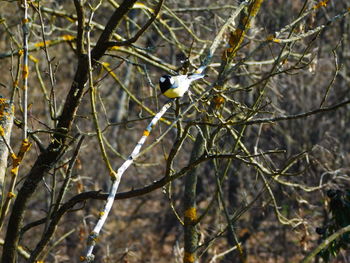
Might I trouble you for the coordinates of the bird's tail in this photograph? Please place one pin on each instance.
(195, 76)
(201, 69)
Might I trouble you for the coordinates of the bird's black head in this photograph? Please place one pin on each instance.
(165, 83)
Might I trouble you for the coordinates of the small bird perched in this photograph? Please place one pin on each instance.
(177, 86)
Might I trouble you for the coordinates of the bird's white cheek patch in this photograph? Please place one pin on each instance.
(172, 81)
(162, 79)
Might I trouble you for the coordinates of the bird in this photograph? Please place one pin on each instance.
(176, 86)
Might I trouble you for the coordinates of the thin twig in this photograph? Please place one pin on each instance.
(25, 71)
(140, 32)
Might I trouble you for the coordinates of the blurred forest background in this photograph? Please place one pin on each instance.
(255, 169)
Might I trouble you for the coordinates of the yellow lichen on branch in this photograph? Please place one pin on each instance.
(42, 44)
(218, 101)
(11, 195)
(17, 159)
(34, 59)
(191, 214)
(25, 71)
(321, 4)
(146, 133)
(255, 7)
(68, 37)
(24, 148)
(6, 109)
(189, 257)
(237, 36)
(14, 171)
(273, 39)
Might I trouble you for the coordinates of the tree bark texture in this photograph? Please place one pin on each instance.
(6, 121)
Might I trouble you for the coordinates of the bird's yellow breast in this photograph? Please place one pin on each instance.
(175, 93)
